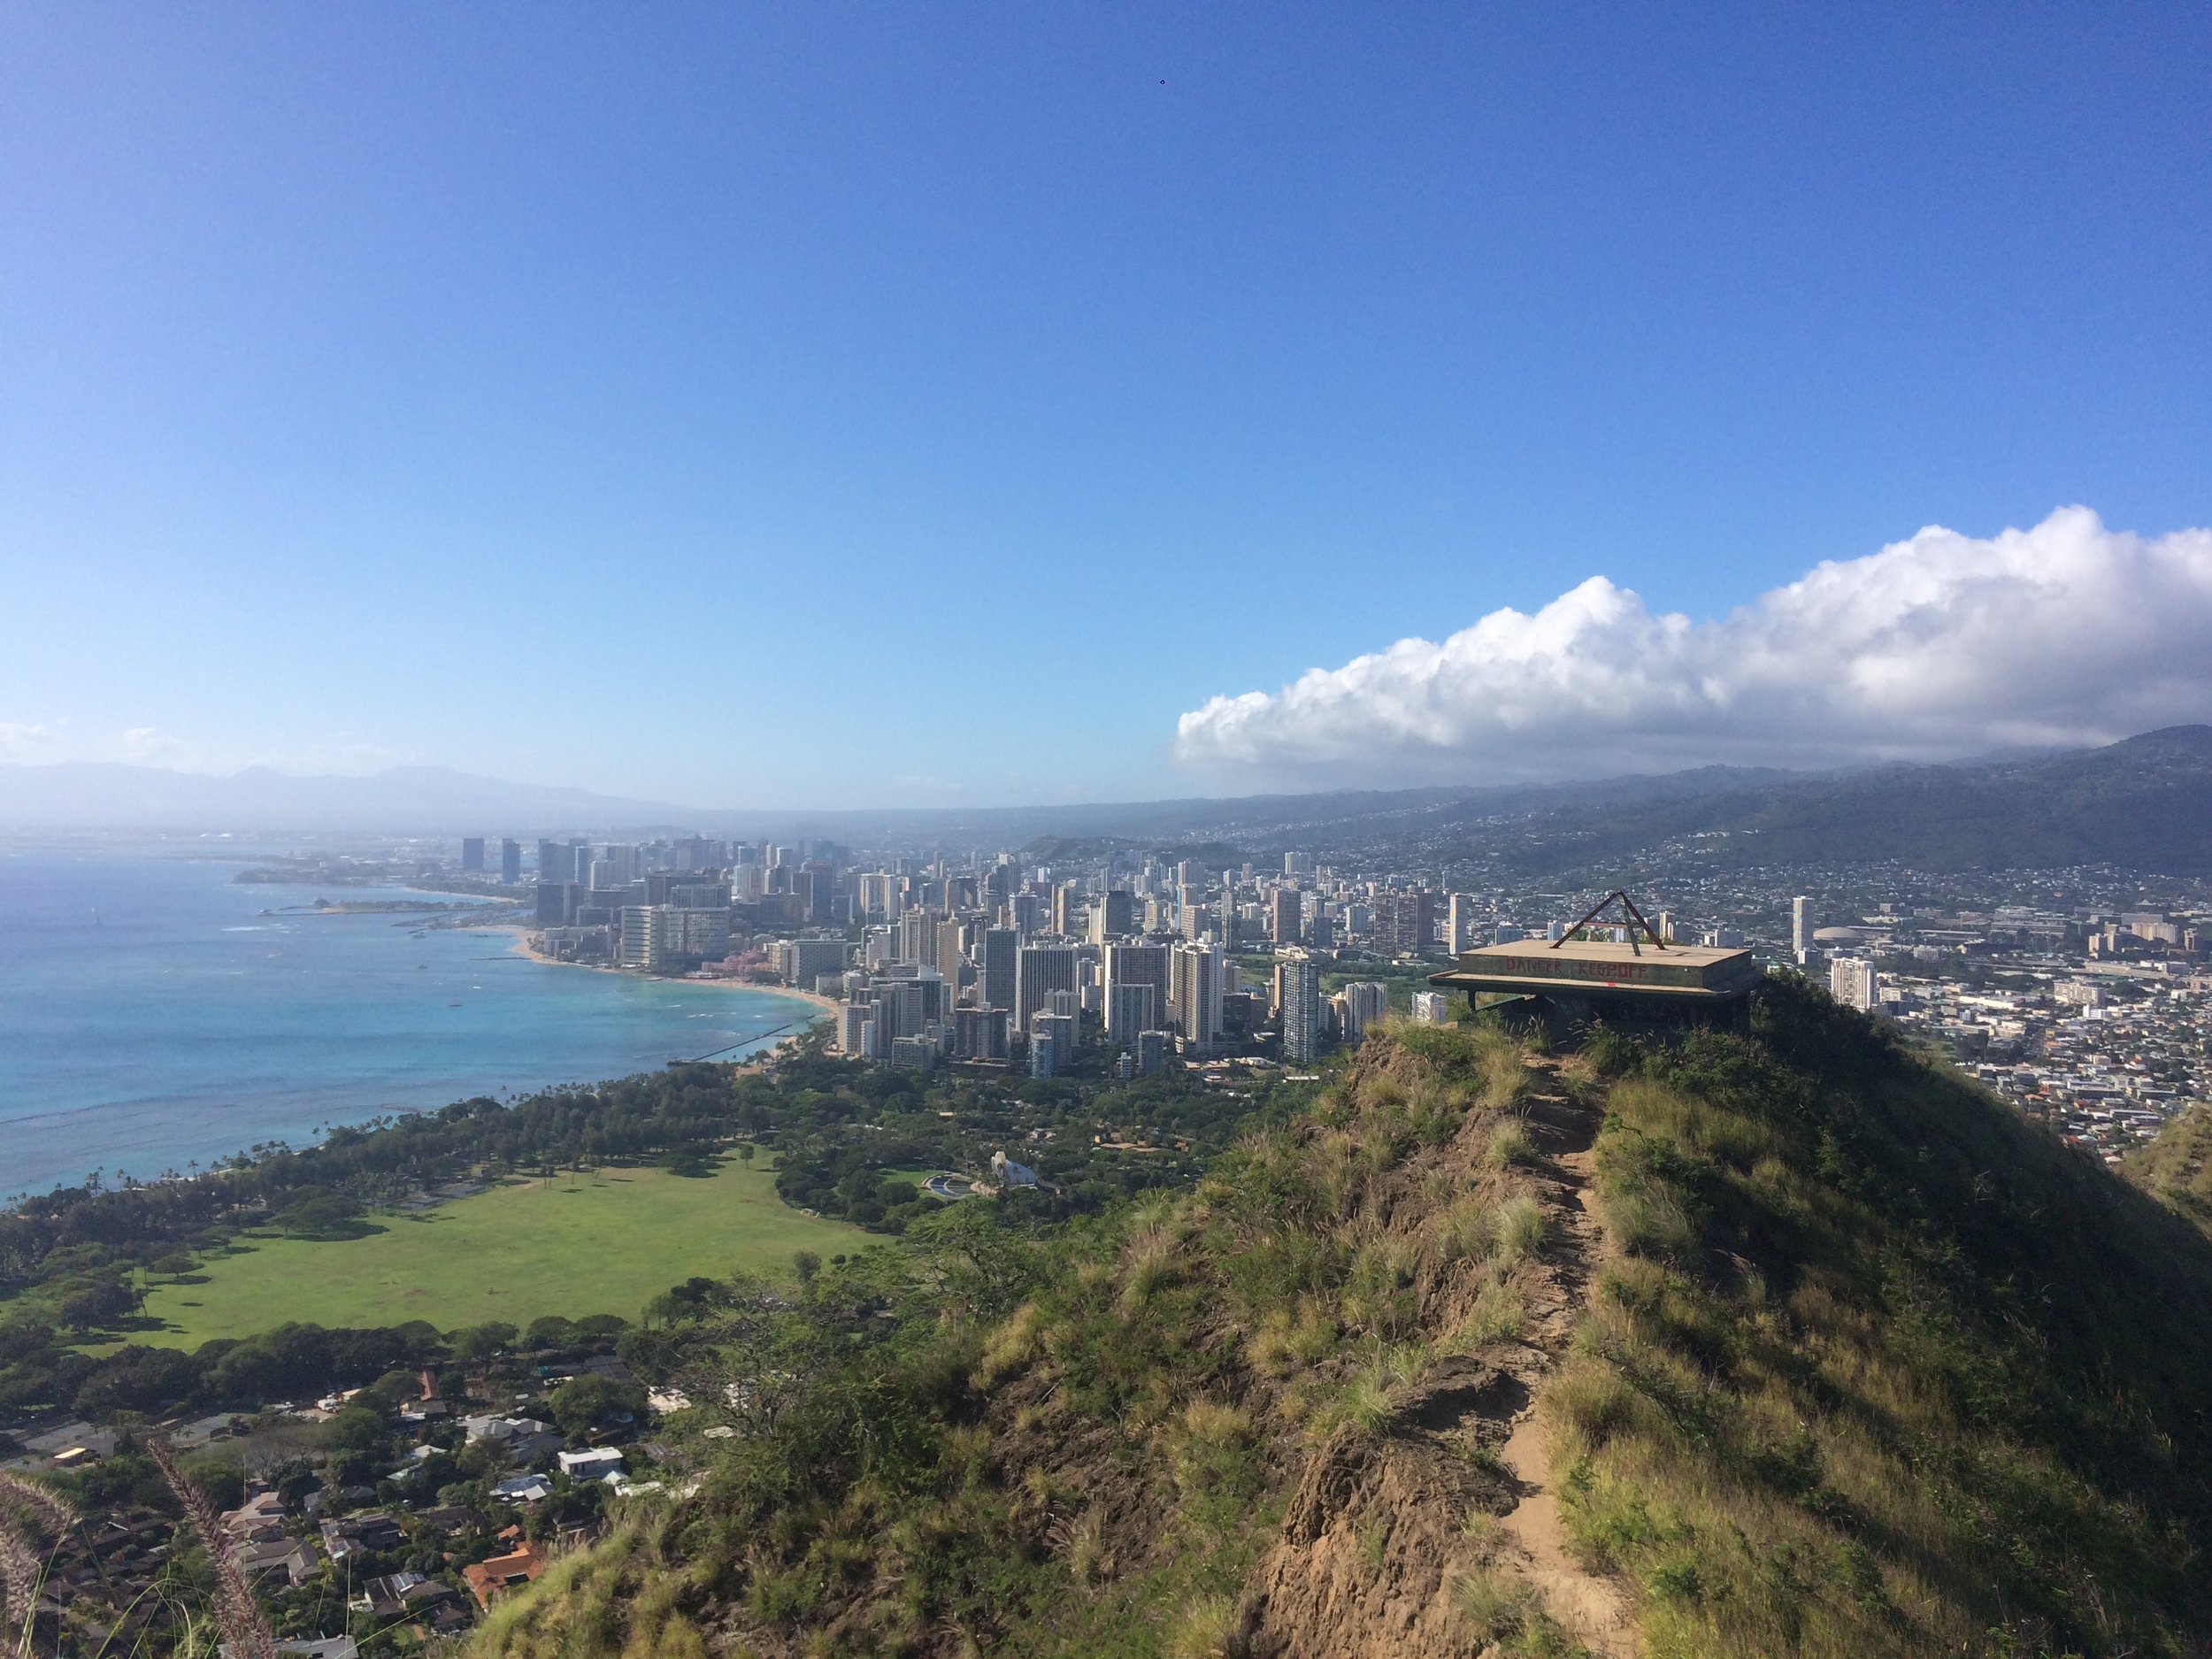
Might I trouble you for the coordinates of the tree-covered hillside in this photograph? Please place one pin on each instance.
(2145, 803)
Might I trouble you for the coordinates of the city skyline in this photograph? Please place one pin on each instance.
(1196, 405)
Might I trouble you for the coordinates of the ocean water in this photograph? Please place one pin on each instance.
(153, 1018)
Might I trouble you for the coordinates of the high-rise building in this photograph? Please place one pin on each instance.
(696, 852)
(948, 958)
(1405, 922)
(554, 863)
(1852, 981)
(1365, 1002)
(816, 882)
(1298, 998)
(1151, 1053)
(1464, 923)
(906, 1008)
(1194, 992)
(1043, 969)
(646, 936)
(811, 958)
(875, 894)
(1286, 916)
(853, 1021)
(1114, 915)
(1801, 929)
(1297, 864)
(472, 854)
(1145, 966)
(557, 903)
(1067, 909)
(704, 934)
(1002, 948)
(1057, 1030)
(980, 1034)
(1432, 1008)
(1130, 1009)
(918, 938)
(509, 861)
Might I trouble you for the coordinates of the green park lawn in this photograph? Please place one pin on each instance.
(583, 1244)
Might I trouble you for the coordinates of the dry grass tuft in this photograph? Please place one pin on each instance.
(1012, 1348)
(1510, 1147)
(1520, 1229)
(1490, 1604)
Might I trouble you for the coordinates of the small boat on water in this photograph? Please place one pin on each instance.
(453, 1005)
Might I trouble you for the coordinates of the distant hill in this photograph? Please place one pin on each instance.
(2143, 803)
(84, 796)
(406, 799)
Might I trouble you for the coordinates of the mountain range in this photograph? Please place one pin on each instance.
(2144, 802)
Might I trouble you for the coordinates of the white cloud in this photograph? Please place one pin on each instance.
(1935, 647)
(21, 740)
(32, 744)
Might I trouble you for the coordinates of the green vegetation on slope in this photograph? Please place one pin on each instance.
(1883, 1368)
(1092, 1441)
(2176, 1168)
(580, 1243)
(1858, 1363)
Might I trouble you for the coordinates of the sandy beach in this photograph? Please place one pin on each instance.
(828, 1005)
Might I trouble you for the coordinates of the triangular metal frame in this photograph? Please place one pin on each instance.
(1600, 907)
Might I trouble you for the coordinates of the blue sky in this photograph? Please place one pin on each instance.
(821, 405)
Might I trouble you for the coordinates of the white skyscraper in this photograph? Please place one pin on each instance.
(1801, 929)
(1852, 981)
(854, 1020)
(1463, 924)
(1365, 1002)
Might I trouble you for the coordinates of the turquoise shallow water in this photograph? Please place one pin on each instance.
(151, 1017)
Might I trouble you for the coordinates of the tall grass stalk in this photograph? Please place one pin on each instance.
(236, 1613)
(22, 1571)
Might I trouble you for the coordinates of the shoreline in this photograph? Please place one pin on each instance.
(151, 1120)
(828, 1006)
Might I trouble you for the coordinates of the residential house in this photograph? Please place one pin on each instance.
(490, 1579)
(594, 1465)
(375, 1532)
